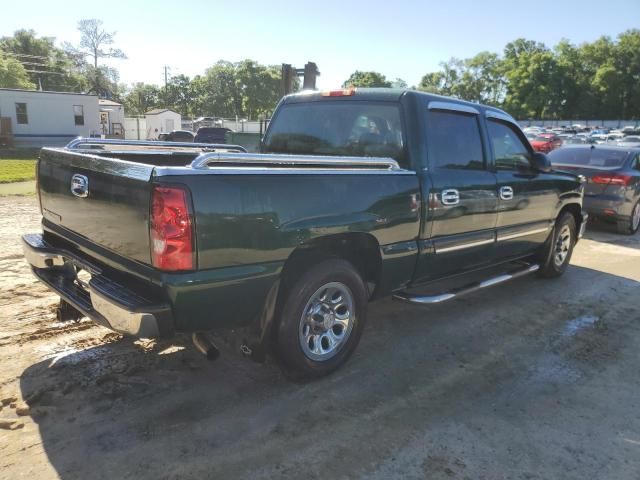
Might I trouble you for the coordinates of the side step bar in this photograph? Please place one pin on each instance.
(443, 297)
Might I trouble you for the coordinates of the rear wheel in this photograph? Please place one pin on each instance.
(559, 248)
(321, 319)
(631, 225)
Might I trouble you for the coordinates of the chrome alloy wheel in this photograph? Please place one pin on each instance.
(327, 321)
(563, 244)
(635, 219)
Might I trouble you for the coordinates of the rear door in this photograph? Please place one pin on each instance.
(527, 198)
(459, 231)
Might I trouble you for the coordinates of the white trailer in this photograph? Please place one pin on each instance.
(49, 118)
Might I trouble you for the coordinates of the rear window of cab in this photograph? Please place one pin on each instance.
(338, 128)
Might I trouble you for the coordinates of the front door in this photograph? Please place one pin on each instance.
(526, 198)
(459, 230)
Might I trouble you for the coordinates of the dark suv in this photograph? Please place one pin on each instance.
(179, 136)
(211, 135)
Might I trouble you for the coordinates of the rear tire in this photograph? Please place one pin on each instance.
(321, 320)
(631, 226)
(559, 247)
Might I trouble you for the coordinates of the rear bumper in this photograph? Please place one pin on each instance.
(611, 207)
(103, 300)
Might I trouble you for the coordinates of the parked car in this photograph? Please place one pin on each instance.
(612, 191)
(358, 194)
(179, 136)
(629, 141)
(615, 137)
(211, 135)
(578, 140)
(545, 142)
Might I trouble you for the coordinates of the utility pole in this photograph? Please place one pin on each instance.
(166, 88)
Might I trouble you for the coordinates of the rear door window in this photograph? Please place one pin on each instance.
(349, 128)
(454, 141)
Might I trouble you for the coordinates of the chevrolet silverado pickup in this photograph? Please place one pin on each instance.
(356, 195)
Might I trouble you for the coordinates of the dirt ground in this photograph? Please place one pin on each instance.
(533, 380)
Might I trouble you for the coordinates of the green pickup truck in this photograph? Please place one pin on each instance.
(357, 195)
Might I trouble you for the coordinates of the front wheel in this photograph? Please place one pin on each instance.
(559, 247)
(321, 319)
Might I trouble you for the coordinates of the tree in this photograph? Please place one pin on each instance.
(13, 74)
(443, 82)
(399, 83)
(259, 87)
(534, 80)
(46, 65)
(366, 79)
(102, 81)
(244, 89)
(141, 98)
(94, 41)
(627, 65)
(179, 95)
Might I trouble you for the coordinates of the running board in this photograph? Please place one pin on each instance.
(443, 297)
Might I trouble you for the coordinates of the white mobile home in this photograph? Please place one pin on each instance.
(162, 120)
(49, 118)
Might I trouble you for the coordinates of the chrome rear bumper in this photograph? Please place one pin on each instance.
(105, 301)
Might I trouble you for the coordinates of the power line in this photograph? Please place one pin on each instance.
(47, 72)
(26, 55)
(34, 64)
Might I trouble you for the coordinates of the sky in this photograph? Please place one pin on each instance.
(398, 38)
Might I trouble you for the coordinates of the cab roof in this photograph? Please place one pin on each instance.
(382, 95)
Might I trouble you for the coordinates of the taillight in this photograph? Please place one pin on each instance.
(612, 179)
(171, 229)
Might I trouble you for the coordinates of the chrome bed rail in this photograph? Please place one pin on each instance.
(271, 160)
(144, 146)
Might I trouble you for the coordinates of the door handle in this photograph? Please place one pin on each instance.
(450, 196)
(506, 193)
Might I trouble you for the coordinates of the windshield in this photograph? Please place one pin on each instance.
(588, 157)
(355, 128)
(541, 138)
(631, 139)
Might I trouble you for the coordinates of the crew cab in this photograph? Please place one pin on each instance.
(357, 195)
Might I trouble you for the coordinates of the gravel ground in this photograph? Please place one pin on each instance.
(532, 380)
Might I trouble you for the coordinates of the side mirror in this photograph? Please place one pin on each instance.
(540, 162)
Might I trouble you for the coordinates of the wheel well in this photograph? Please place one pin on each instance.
(576, 211)
(360, 249)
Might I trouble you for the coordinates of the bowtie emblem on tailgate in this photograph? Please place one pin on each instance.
(80, 185)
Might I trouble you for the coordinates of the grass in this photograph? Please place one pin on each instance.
(14, 170)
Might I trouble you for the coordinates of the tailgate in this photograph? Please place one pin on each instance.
(105, 200)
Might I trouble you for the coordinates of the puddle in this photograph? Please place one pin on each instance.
(576, 325)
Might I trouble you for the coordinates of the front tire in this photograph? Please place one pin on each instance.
(321, 319)
(559, 248)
